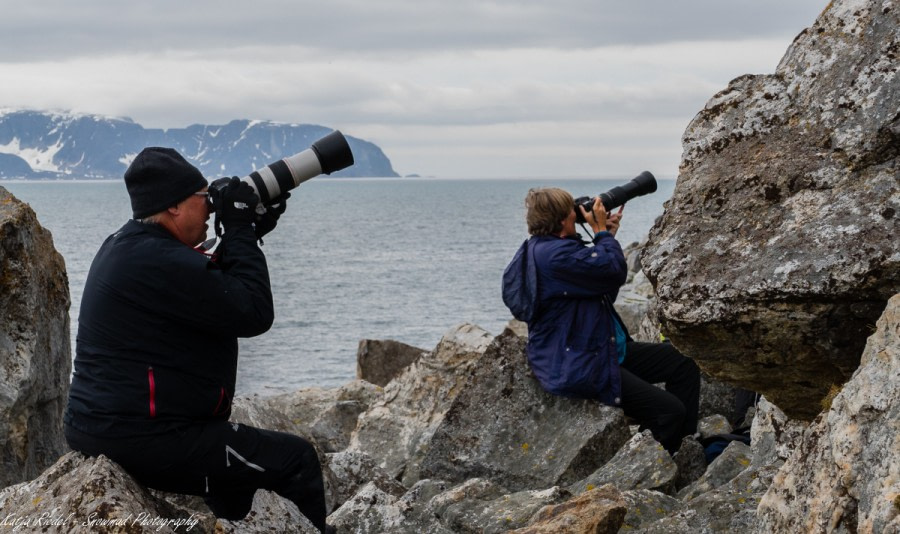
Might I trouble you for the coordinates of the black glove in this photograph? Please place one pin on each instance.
(267, 221)
(233, 201)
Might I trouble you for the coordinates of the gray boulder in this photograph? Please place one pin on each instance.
(712, 425)
(598, 511)
(735, 459)
(716, 397)
(472, 490)
(380, 361)
(353, 470)
(79, 494)
(845, 475)
(730, 507)
(690, 461)
(374, 510)
(509, 512)
(270, 513)
(773, 437)
(646, 507)
(35, 351)
(94, 495)
(634, 302)
(329, 416)
(397, 429)
(504, 427)
(642, 463)
(479, 505)
(419, 510)
(778, 249)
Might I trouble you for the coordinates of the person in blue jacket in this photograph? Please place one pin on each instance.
(156, 352)
(578, 345)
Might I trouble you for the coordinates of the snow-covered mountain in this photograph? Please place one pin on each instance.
(38, 144)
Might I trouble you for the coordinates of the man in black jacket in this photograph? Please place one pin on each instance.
(156, 352)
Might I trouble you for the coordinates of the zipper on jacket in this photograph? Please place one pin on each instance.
(152, 382)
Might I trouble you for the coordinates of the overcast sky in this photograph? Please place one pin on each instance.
(449, 88)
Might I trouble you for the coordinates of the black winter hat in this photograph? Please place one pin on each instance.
(159, 178)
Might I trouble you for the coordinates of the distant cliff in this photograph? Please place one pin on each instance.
(36, 144)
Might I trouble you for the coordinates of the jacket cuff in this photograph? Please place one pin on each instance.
(601, 234)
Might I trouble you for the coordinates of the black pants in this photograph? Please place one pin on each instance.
(669, 414)
(223, 462)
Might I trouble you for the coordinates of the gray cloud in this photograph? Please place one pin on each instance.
(61, 29)
(463, 87)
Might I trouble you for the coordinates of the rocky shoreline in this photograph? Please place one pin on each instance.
(464, 440)
(775, 267)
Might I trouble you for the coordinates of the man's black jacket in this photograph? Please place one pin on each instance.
(158, 328)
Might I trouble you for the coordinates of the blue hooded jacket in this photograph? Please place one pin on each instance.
(564, 290)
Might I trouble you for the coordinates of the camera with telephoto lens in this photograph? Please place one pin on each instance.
(640, 185)
(327, 155)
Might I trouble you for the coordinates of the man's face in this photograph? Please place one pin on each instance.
(193, 213)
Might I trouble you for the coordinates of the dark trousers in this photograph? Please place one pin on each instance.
(670, 414)
(223, 462)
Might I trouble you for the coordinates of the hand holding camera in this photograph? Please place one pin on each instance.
(596, 217)
(641, 184)
(266, 222)
(233, 201)
(259, 198)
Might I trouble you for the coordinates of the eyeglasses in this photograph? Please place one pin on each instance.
(202, 193)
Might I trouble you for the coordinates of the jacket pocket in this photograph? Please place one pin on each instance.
(585, 365)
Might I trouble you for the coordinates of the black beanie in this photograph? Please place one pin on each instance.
(159, 178)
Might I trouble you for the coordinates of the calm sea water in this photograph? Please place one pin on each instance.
(403, 259)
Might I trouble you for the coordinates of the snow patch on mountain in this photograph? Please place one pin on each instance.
(39, 159)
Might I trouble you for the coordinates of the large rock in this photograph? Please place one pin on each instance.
(846, 472)
(733, 461)
(508, 512)
(778, 249)
(374, 510)
(645, 507)
(35, 351)
(729, 508)
(478, 505)
(421, 509)
(79, 494)
(329, 416)
(599, 511)
(381, 360)
(351, 470)
(504, 427)
(633, 302)
(774, 437)
(642, 463)
(397, 429)
(95, 495)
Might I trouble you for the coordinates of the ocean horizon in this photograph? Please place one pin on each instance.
(405, 259)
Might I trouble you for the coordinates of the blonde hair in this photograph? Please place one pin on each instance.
(546, 209)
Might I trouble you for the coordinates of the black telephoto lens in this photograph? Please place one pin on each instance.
(329, 154)
(640, 185)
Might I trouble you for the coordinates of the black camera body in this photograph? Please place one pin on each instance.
(642, 184)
